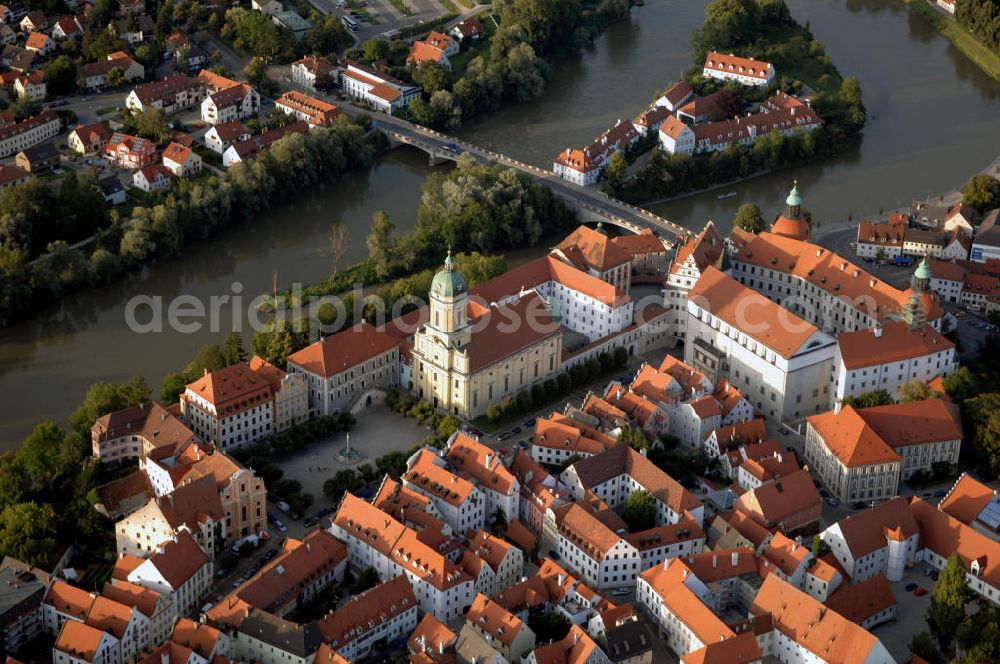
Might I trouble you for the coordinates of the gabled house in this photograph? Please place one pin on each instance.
(30, 86)
(127, 151)
(67, 27)
(221, 136)
(153, 177)
(40, 43)
(182, 161)
(89, 138)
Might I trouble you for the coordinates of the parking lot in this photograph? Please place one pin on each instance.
(897, 634)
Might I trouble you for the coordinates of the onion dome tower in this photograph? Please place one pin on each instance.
(791, 223)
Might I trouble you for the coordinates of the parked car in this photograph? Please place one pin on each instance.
(910, 587)
(283, 506)
(516, 430)
(505, 435)
(310, 521)
(554, 555)
(832, 502)
(934, 575)
(621, 591)
(279, 525)
(920, 592)
(531, 422)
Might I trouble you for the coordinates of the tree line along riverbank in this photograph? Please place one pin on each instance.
(974, 30)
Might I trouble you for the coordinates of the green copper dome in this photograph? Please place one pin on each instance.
(448, 282)
(793, 196)
(923, 270)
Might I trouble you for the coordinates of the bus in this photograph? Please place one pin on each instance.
(349, 23)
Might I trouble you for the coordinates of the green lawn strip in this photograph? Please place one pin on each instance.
(449, 6)
(984, 57)
(468, 4)
(361, 11)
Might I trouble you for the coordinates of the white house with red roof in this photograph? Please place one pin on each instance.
(378, 90)
(314, 72)
(130, 152)
(888, 357)
(88, 139)
(221, 136)
(67, 27)
(154, 177)
(461, 503)
(316, 112)
(584, 166)
(675, 96)
(471, 28)
(696, 255)
(435, 49)
(179, 569)
(181, 160)
(30, 85)
(229, 407)
(745, 71)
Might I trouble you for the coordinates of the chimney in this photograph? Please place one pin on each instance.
(735, 558)
(715, 561)
(878, 331)
(559, 580)
(836, 408)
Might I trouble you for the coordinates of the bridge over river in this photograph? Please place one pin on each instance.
(591, 204)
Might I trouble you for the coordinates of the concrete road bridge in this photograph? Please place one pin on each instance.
(591, 204)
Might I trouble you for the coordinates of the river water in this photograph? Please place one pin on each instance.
(934, 118)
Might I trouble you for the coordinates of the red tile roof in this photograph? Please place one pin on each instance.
(860, 601)
(967, 498)
(733, 64)
(342, 351)
(894, 343)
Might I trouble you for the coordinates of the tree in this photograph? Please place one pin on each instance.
(103, 398)
(24, 108)
(152, 124)
(640, 511)
(982, 192)
(917, 390)
(338, 247)
(633, 437)
(962, 384)
(276, 342)
(28, 533)
(173, 386)
(368, 578)
(749, 218)
(208, 358)
(923, 645)
(819, 546)
(256, 70)
(60, 76)
(947, 609)
(614, 173)
(374, 50)
(982, 413)
(382, 244)
(115, 76)
(728, 104)
(233, 351)
(548, 626)
(869, 399)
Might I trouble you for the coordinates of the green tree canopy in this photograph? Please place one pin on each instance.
(640, 511)
(947, 609)
(982, 192)
(749, 218)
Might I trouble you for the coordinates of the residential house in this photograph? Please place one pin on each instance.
(12, 175)
(505, 632)
(170, 95)
(67, 27)
(112, 190)
(248, 149)
(179, 569)
(34, 21)
(134, 432)
(584, 166)
(181, 161)
(789, 503)
(28, 132)
(314, 72)
(308, 109)
(293, 22)
(88, 139)
(238, 102)
(95, 73)
(135, 28)
(471, 29)
(675, 96)
(38, 158)
(881, 240)
(20, 604)
(30, 86)
(18, 59)
(380, 91)
(221, 136)
(435, 49)
(745, 71)
(385, 613)
(154, 177)
(125, 151)
(40, 43)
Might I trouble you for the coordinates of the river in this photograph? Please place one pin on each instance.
(932, 121)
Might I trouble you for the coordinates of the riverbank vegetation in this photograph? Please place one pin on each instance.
(192, 211)
(474, 209)
(762, 29)
(975, 29)
(511, 63)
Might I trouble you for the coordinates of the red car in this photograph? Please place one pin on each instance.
(920, 592)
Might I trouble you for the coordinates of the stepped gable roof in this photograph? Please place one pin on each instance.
(812, 626)
(865, 348)
(346, 349)
(865, 531)
(704, 249)
(746, 527)
(967, 498)
(859, 601)
(622, 459)
(851, 439)
(774, 326)
(829, 272)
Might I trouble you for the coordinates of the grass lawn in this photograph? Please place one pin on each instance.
(449, 6)
(987, 59)
(482, 47)
(468, 4)
(797, 56)
(106, 111)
